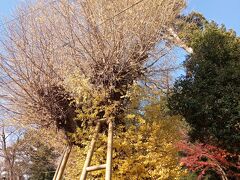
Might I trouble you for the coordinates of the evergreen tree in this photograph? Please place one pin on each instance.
(37, 159)
(208, 96)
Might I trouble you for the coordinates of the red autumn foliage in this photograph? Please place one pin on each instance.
(200, 158)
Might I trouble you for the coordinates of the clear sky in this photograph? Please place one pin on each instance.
(222, 11)
(7, 6)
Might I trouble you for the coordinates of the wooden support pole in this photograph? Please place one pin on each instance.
(57, 170)
(90, 153)
(60, 169)
(64, 163)
(60, 163)
(94, 168)
(108, 175)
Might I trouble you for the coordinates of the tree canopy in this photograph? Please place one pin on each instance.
(208, 96)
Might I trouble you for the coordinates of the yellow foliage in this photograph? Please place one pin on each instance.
(148, 151)
(92, 103)
(144, 151)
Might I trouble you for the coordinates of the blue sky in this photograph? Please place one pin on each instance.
(222, 11)
(7, 6)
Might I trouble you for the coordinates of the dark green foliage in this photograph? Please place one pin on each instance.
(188, 25)
(209, 95)
(42, 167)
(37, 159)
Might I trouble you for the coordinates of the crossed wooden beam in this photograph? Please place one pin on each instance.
(87, 168)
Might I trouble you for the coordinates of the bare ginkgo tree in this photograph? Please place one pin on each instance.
(108, 44)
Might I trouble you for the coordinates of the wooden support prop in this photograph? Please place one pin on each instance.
(62, 165)
(102, 120)
(90, 153)
(94, 168)
(108, 175)
(108, 165)
(57, 170)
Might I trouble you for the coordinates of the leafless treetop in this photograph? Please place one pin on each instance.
(111, 43)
